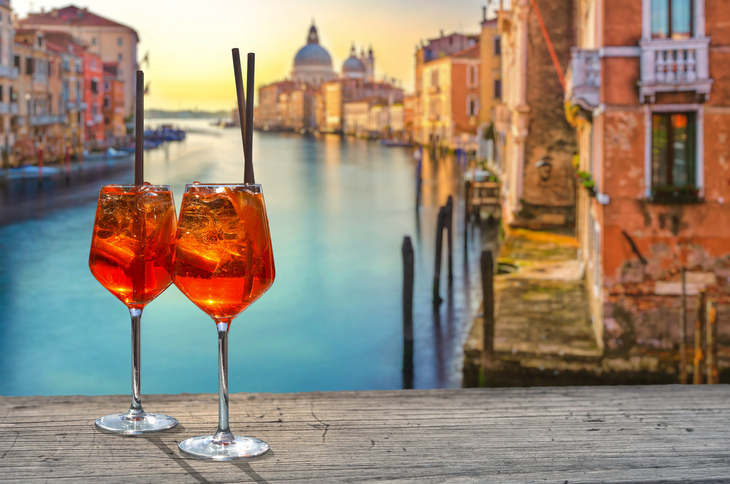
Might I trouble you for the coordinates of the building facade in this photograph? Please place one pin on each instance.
(110, 40)
(535, 145)
(450, 99)
(432, 51)
(648, 96)
(490, 83)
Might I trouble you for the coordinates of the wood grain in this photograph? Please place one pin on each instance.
(575, 434)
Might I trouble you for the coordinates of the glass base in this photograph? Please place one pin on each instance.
(135, 424)
(236, 448)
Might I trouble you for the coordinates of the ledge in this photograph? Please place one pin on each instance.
(576, 434)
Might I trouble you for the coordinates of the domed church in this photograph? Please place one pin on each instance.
(312, 64)
(354, 68)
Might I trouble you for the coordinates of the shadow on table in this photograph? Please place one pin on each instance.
(181, 461)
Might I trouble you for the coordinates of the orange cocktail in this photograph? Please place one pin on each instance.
(131, 249)
(223, 259)
(131, 256)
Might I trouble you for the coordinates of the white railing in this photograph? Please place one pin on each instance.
(4, 108)
(584, 78)
(13, 108)
(9, 71)
(675, 65)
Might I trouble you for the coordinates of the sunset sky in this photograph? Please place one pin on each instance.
(190, 41)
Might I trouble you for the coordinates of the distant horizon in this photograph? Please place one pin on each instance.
(194, 71)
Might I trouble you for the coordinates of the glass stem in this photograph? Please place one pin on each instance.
(135, 409)
(223, 435)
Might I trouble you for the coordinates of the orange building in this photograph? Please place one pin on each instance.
(649, 96)
(450, 99)
(113, 105)
(432, 51)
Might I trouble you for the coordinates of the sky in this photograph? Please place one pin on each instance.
(189, 41)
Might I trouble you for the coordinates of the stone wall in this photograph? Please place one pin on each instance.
(550, 135)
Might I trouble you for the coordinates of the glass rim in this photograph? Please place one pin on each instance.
(257, 185)
(115, 185)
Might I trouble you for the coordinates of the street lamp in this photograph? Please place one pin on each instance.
(544, 168)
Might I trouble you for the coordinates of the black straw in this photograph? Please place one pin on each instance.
(241, 109)
(248, 177)
(139, 132)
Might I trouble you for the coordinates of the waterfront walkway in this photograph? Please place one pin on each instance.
(667, 434)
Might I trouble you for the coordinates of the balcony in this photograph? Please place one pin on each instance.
(44, 120)
(669, 65)
(9, 72)
(583, 78)
(40, 79)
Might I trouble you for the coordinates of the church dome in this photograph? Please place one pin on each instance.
(313, 54)
(353, 65)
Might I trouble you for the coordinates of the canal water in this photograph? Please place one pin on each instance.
(338, 208)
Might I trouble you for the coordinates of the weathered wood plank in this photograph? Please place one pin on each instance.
(579, 434)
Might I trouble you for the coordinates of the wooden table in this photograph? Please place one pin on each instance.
(557, 435)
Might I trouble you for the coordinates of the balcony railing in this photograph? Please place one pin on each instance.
(584, 78)
(9, 72)
(44, 120)
(40, 78)
(669, 65)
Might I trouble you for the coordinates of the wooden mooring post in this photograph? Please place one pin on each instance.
(711, 329)
(467, 186)
(407, 251)
(683, 333)
(449, 238)
(699, 356)
(440, 223)
(487, 269)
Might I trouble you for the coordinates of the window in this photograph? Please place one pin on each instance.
(94, 86)
(120, 41)
(472, 106)
(40, 41)
(435, 77)
(2, 94)
(673, 154)
(106, 87)
(107, 101)
(497, 45)
(671, 19)
(16, 61)
(472, 76)
(498, 89)
(29, 65)
(49, 67)
(119, 57)
(93, 41)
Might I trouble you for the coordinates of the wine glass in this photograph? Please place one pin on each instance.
(131, 256)
(223, 262)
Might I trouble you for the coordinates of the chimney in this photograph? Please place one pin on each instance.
(43, 10)
(484, 14)
(442, 32)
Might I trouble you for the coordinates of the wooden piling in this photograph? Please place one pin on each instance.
(467, 186)
(711, 329)
(407, 251)
(449, 238)
(487, 269)
(699, 357)
(683, 333)
(441, 221)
